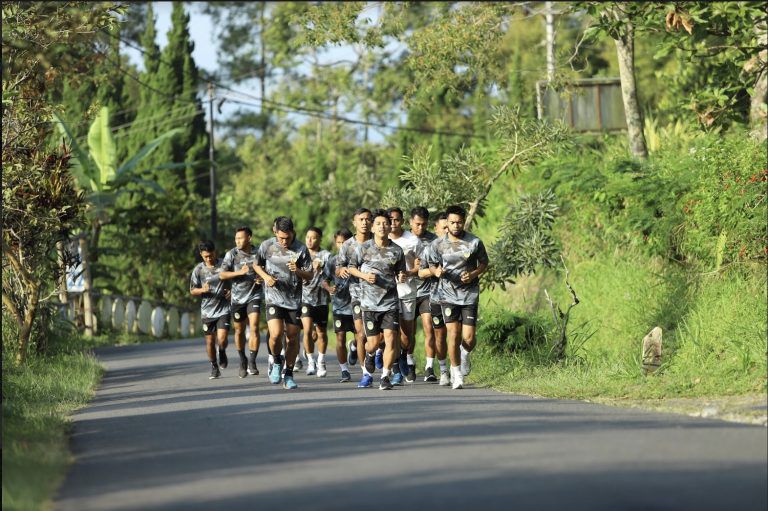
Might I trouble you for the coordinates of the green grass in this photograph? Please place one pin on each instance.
(38, 399)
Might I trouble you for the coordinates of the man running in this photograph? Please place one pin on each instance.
(206, 283)
(283, 263)
(460, 259)
(246, 297)
(342, 307)
(424, 281)
(379, 264)
(406, 292)
(314, 305)
(435, 300)
(361, 219)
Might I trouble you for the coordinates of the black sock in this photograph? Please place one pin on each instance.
(242, 355)
(278, 359)
(214, 363)
(252, 356)
(289, 371)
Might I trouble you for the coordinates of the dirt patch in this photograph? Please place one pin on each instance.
(750, 409)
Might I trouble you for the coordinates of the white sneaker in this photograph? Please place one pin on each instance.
(458, 379)
(311, 368)
(445, 379)
(321, 370)
(466, 365)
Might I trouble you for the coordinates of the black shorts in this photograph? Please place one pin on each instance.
(357, 311)
(240, 312)
(290, 316)
(210, 325)
(423, 305)
(376, 321)
(343, 323)
(437, 315)
(318, 313)
(466, 314)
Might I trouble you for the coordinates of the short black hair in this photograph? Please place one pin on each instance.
(317, 230)
(395, 209)
(244, 228)
(360, 211)
(277, 219)
(441, 216)
(284, 224)
(420, 211)
(346, 233)
(381, 212)
(456, 210)
(206, 246)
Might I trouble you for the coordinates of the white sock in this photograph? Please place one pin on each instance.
(385, 373)
(344, 367)
(464, 353)
(443, 367)
(353, 346)
(409, 357)
(271, 359)
(430, 363)
(321, 357)
(311, 358)
(282, 352)
(365, 371)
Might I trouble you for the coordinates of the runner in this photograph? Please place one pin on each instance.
(206, 283)
(460, 259)
(246, 297)
(441, 348)
(424, 282)
(283, 263)
(379, 264)
(342, 307)
(314, 305)
(406, 292)
(362, 222)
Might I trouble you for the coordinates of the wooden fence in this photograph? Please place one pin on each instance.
(136, 315)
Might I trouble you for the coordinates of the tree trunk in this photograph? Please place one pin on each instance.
(25, 330)
(625, 49)
(87, 299)
(757, 106)
(63, 295)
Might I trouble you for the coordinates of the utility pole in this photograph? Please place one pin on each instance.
(550, 21)
(213, 164)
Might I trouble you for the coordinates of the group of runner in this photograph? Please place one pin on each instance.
(379, 281)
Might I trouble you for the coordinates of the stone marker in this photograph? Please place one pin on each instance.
(158, 321)
(184, 324)
(130, 316)
(118, 314)
(172, 318)
(106, 310)
(145, 317)
(652, 351)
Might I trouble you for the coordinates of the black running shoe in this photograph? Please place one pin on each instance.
(215, 373)
(345, 377)
(370, 363)
(243, 369)
(223, 361)
(352, 359)
(252, 369)
(430, 376)
(385, 384)
(410, 376)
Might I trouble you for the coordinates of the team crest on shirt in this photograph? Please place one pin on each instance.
(271, 310)
(370, 325)
(338, 323)
(466, 254)
(392, 261)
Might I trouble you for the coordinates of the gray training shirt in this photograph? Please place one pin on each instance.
(341, 299)
(342, 260)
(244, 287)
(386, 263)
(456, 257)
(312, 292)
(213, 305)
(274, 259)
(424, 286)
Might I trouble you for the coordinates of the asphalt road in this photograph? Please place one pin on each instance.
(160, 435)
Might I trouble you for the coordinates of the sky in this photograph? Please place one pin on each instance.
(206, 50)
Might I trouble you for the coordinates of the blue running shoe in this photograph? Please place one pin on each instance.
(397, 379)
(288, 383)
(365, 381)
(403, 362)
(379, 359)
(274, 373)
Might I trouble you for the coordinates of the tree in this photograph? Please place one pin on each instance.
(40, 202)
